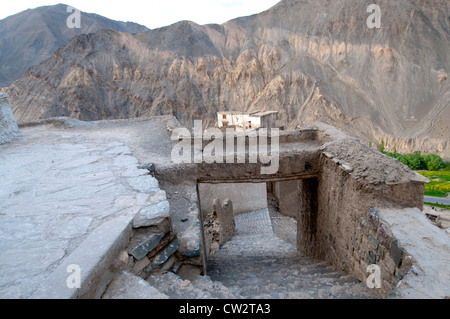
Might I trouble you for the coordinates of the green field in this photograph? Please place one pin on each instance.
(443, 175)
(439, 185)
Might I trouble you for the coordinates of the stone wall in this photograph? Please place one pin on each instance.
(340, 184)
(288, 196)
(246, 197)
(337, 212)
(349, 233)
(219, 225)
(340, 219)
(8, 126)
(307, 219)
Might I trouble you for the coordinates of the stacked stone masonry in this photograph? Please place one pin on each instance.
(152, 244)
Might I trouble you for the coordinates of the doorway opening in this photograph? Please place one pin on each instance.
(259, 216)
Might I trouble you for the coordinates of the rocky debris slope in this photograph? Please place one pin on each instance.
(309, 60)
(200, 287)
(166, 285)
(31, 36)
(129, 286)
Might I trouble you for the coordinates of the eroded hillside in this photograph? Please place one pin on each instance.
(310, 60)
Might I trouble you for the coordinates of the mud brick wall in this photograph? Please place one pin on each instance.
(346, 228)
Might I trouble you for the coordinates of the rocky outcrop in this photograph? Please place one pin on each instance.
(309, 60)
(8, 126)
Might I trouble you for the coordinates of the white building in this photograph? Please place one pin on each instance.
(247, 121)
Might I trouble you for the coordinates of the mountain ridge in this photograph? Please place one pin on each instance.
(309, 60)
(31, 36)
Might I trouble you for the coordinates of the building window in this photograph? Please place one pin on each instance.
(224, 117)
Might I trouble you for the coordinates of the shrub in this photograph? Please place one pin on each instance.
(414, 161)
(433, 162)
(446, 166)
(417, 161)
(402, 159)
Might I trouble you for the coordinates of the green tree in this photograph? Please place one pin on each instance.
(402, 159)
(414, 161)
(433, 162)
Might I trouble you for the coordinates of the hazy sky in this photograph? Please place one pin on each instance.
(154, 13)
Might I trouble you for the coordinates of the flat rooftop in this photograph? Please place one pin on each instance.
(68, 195)
(254, 114)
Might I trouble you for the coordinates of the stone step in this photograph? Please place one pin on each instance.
(217, 289)
(257, 266)
(201, 287)
(176, 288)
(262, 265)
(129, 286)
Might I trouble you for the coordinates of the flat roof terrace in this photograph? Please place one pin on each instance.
(69, 191)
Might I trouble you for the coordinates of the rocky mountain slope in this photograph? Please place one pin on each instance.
(310, 60)
(30, 37)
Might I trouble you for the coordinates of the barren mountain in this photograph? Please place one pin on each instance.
(312, 60)
(30, 37)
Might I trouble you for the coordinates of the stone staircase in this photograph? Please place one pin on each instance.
(256, 263)
(201, 287)
(167, 285)
(279, 274)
